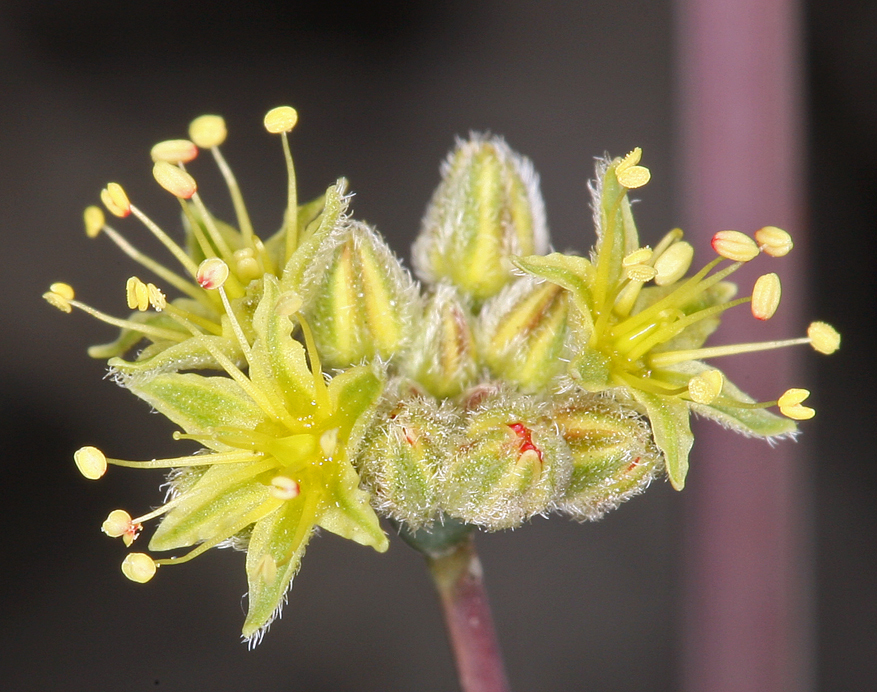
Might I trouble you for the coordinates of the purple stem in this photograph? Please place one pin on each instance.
(458, 577)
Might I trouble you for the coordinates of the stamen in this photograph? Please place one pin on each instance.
(212, 273)
(139, 567)
(208, 131)
(706, 387)
(59, 295)
(284, 488)
(91, 462)
(672, 264)
(174, 179)
(639, 256)
(174, 151)
(166, 240)
(137, 294)
(631, 175)
(734, 245)
(149, 330)
(641, 272)
(766, 296)
(790, 405)
(281, 120)
(115, 200)
(823, 337)
(661, 360)
(120, 525)
(774, 241)
(94, 221)
(237, 199)
(215, 235)
(671, 237)
(234, 457)
(288, 303)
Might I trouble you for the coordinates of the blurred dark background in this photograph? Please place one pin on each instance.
(381, 88)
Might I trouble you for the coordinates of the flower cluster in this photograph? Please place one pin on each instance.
(328, 387)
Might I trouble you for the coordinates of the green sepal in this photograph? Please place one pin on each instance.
(213, 508)
(756, 422)
(199, 404)
(308, 219)
(616, 232)
(282, 536)
(346, 511)
(354, 395)
(335, 205)
(669, 418)
(168, 356)
(573, 273)
(278, 361)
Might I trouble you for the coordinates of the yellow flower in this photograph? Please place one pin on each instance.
(647, 342)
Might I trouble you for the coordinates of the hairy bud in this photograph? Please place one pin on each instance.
(487, 207)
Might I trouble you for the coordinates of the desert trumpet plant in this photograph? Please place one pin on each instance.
(328, 388)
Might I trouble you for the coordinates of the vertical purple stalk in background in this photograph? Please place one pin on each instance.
(747, 567)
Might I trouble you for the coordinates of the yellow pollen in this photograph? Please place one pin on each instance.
(288, 303)
(175, 180)
(823, 337)
(139, 567)
(673, 263)
(91, 462)
(208, 131)
(212, 273)
(94, 221)
(790, 405)
(640, 272)
(137, 294)
(705, 387)
(57, 301)
(284, 488)
(766, 296)
(281, 119)
(774, 241)
(174, 151)
(640, 256)
(115, 200)
(734, 245)
(157, 299)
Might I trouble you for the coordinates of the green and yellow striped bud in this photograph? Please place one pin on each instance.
(401, 458)
(442, 356)
(524, 333)
(360, 301)
(510, 464)
(613, 454)
(486, 208)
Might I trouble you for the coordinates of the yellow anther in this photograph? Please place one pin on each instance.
(117, 523)
(65, 291)
(790, 405)
(174, 151)
(629, 174)
(281, 119)
(288, 303)
(157, 299)
(640, 272)
(245, 264)
(91, 462)
(208, 131)
(137, 294)
(284, 488)
(823, 337)
(672, 264)
(212, 273)
(115, 200)
(705, 387)
(57, 301)
(734, 245)
(139, 567)
(766, 296)
(640, 256)
(329, 441)
(630, 160)
(94, 221)
(774, 241)
(175, 180)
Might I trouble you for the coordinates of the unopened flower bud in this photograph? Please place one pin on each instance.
(442, 356)
(613, 454)
(401, 458)
(174, 151)
(510, 464)
(174, 179)
(208, 131)
(487, 207)
(524, 333)
(734, 245)
(360, 301)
